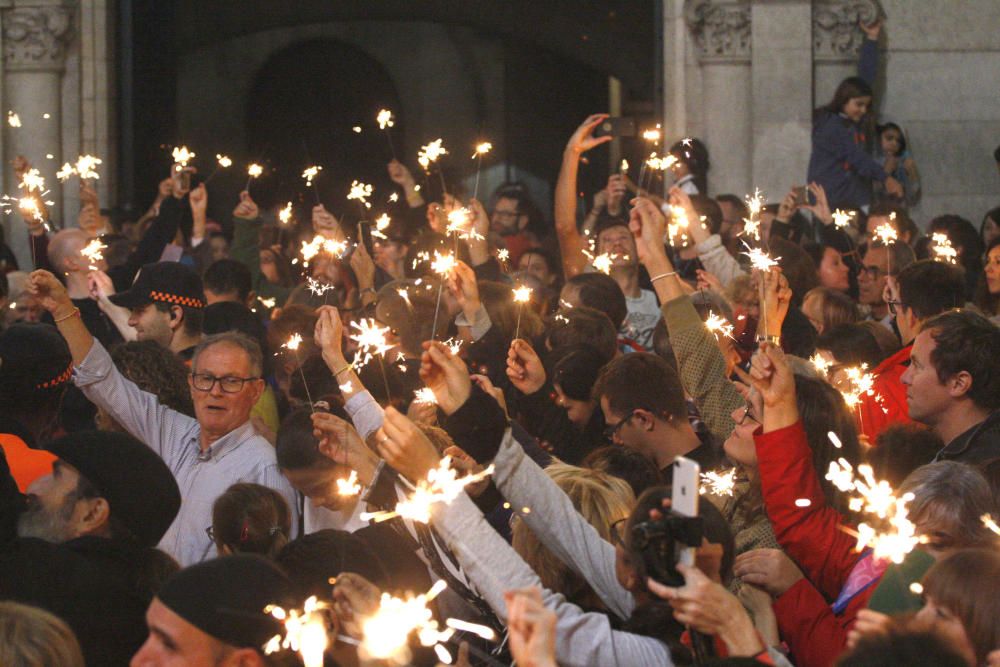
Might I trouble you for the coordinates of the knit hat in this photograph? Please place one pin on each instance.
(137, 484)
(33, 358)
(166, 282)
(226, 598)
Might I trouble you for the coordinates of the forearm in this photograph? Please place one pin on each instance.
(718, 261)
(668, 287)
(73, 330)
(740, 635)
(119, 317)
(571, 243)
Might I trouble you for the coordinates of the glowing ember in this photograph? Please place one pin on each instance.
(660, 163)
(443, 265)
(13, 119)
(394, 197)
(317, 288)
(718, 483)
(93, 252)
(349, 486)
(651, 135)
(404, 294)
(990, 523)
(311, 173)
(360, 191)
(356, 129)
(460, 224)
(842, 219)
(483, 631)
(424, 396)
(943, 250)
(859, 383)
(820, 363)
(267, 303)
(224, 161)
(482, 149)
(371, 341)
(293, 342)
(32, 180)
(305, 632)
(384, 119)
(285, 214)
(65, 172)
(719, 325)
(623, 167)
(382, 222)
(503, 254)
(255, 170)
(432, 152)
(347, 387)
(522, 294)
(182, 155)
(442, 485)
(678, 221)
(834, 439)
(760, 260)
(886, 233)
(917, 588)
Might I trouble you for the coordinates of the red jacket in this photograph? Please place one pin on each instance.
(813, 537)
(888, 404)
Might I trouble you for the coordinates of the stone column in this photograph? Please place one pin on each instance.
(722, 35)
(35, 36)
(782, 94)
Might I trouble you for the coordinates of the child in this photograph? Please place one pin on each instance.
(897, 162)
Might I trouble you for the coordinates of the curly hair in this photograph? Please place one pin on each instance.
(156, 370)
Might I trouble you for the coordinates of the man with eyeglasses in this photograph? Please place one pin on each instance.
(207, 454)
(878, 261)
(920, 291)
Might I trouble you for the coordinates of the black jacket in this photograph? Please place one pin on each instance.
(978, 446)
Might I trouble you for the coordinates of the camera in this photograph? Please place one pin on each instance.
(661, 542)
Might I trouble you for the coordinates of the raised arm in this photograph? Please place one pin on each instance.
(571, 242)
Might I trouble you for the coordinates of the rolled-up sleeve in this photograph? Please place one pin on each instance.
(365, 413)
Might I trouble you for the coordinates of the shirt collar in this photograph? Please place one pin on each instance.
(226, 443)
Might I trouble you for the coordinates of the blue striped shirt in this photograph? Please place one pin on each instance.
(242, 455)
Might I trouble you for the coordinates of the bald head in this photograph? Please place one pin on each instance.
(64, 250)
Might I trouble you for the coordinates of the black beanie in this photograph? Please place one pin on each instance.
(575, 369)
(226, 598)
(34, 359)
(138, 485)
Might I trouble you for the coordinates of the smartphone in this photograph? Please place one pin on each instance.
(622, 126)
(684, 496)
(801, 195)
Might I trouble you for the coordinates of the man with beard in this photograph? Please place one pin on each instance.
(85, 538)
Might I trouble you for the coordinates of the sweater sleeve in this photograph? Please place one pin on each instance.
(840, 139)
(702, 367)
(815, 635)
(558, 525)
(717, 260)
(161, 231)
(868, 61)
(811, 535)
(582, 639)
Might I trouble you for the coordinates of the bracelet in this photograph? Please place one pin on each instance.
(773, 340)
(76, 311)
(369, 289)
(345, 368)
(662, 275)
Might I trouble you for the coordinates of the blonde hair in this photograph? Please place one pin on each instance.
(32, 637)
(600, 498)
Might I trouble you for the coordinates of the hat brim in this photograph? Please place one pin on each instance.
(130, 299)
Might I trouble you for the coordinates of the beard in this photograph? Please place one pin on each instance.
(44, 524)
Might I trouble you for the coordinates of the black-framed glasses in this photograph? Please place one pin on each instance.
(746, 415)
(210, 531)
(230, 383)
(895, 306)
(611, 430)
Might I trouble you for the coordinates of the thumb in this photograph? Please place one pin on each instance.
(244, 195)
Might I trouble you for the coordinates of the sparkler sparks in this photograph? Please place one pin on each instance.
(384, 119)
(65, 172)
(760, 260)
(886, 233)
(360, 191)
(719, 325)
(718, 483)
(442, 485)
(454, 345)
(32, 180)
(482, 149)
(305, 631)
(503, 255)
(820, 363)
(13, 119)
(182, 156)
(678, 221)
(443, 265)
(267, 303)
(990, 523)
(859, 383)
(623, 167)
(424, 396)
(93, 252)
(311, 173)
(349, 486)
(255, 170)
(660, 163)
(431, 152)
(223, 161)
(85, 167)
(371, 341)
(394, 197)
(751, 224)
(651, 135)
(285, 214)
(522, 294)
(293, 342)
(317, 288)
(943, 250)
(382, 222)
(385, 632)
(842, 219)
(460, 224)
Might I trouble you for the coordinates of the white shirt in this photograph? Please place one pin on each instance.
(643, 314)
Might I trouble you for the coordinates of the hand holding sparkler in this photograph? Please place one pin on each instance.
(531, 628)
(869, 622)
(198, 200)
(180, 178)
(648, 225)
(463, 286)
(363, 266)
(325, 223)
(446, 375)
(525, 368)
(771, 569)
(777, 298)
(354, 599)
(329, 336)
(583, 138)
(678, 198)
(486, 385)
(340, 442)
(405, 447)
(246, 209)
(402, 177)
(50, 292)
(772, 377)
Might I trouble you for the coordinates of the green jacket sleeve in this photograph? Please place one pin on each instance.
(246, 249)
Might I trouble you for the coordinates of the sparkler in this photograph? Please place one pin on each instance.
(442, 265)
(285, 214)
(65, 172)
(349, 486)
(751, 225)
(430, 153)
(877, 499)
(990, 523)
(32, 181)
(718, 483)
(623, 167)
(293, 344)
(424, 396)
(221, 162)
(371, 345)
(394, 197)
(652, 135)
(820, 363)
(385, 121)
(93, 252)
(85, 167)
(404, 294)
(763, 263)
(361, 192)
(13, 119)
(305, 631)
(522, 295)
(842, 219)
(442, 485)
(678, 221)
(481, 150)
(887, 234)
(859, 383)
(182, 156)
(943, 250)
(455, 345)
(719, 325)
(253, 171)
(504, 256)
(317, 288)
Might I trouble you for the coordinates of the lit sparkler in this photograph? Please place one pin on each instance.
(285, 214)
(224, 161)
(349, 486)
(442, 265)
(318, 288)
(820, 363)
(623, 167)
(454, 345)
(182, 156)
(719, 325)
(361, 192)
(93, 252)
(482, 149)
(13, 119)
(678, 222)
(990, 523)
(760, 260)
(32, 181)
(293, 343)
(751, 224)
(718, 483)
(384, 119)
(651, 135)
(842, 219)
(431, 152)
(311, 173)
(305, 631)
(424, 396)
(394, 197)
(65, 172)
(886, 233)
(943, 250)
(255, 170)
(267, 303)
(522, 295)
(442, 485)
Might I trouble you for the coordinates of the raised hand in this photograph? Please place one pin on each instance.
(531, 627)
(872, 30)
(771, 569)
(524, 367)
(405, 447)
(583, 138)
(615, 193)
(329, 335)
(88, 195)
(364, 267)
(778, 297)
(821, 209)
(51, 293)
(868, 623)
(355, 599)
(400, 175)
(324, 221)
(199, 201)
(486, 385)
(648, 226)
(247, 208)
(100, 286)
(463, 286)
(341, 443)
(446, 375)
(893, 187)
(181, 181)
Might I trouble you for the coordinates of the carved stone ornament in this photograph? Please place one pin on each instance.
(36, 37)
(721, 30)
(836, 33)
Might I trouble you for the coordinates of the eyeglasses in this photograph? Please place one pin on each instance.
(747, 415)
(210, 531)
(895, 306)
(230, 384)
(612, 430)
(616, 531)
(873, 272)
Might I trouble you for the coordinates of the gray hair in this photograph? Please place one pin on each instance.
(236, 339)
(953, 494)
(901, 255)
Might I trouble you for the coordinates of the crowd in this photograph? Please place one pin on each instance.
(205, 420)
